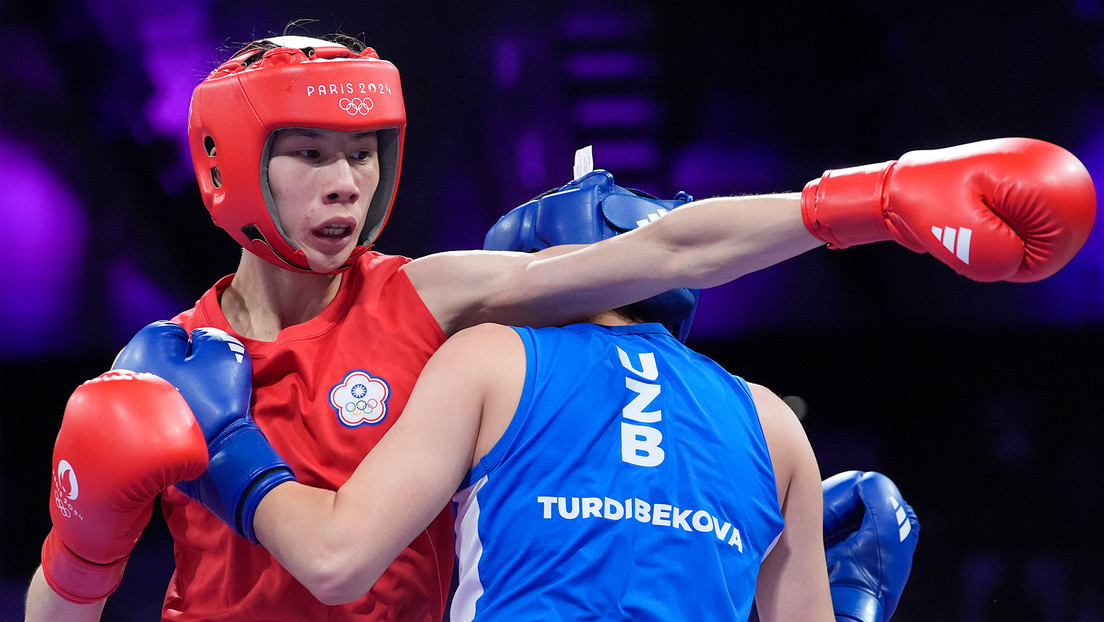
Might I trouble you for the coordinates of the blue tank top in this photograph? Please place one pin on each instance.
(633, 483)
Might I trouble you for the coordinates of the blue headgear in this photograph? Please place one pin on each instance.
(591, 209)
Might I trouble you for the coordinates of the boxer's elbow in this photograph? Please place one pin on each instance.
(340, 575)
(337, 592)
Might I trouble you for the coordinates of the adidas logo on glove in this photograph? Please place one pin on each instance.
(955, 240)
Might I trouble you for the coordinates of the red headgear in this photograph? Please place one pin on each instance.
(283, 82)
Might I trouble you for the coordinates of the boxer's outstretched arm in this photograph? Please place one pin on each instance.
(702, 244)
(1009, 209)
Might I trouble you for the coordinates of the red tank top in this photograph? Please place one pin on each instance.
(324, 393)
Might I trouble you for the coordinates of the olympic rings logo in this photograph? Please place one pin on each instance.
(356, 105)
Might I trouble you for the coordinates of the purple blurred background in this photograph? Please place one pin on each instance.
(977, 399)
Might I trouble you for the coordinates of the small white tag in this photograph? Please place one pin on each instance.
(584, 161)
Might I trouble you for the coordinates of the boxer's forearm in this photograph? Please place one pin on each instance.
(45, 605)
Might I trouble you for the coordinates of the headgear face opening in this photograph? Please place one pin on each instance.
(591, 209)
(289, 82)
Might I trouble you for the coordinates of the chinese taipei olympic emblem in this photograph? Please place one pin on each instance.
(360, 399)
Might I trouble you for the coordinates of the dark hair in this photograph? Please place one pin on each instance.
(634, 312)
(254, 50)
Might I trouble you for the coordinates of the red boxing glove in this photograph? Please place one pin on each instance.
(124, 438)
(1009, 209)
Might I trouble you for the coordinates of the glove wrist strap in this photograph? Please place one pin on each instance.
(74, 578)
(855, 603)
(243, 468)
(845, 207)
(261, 487)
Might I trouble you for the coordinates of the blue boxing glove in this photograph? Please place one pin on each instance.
(214, 373)
(870, 534)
